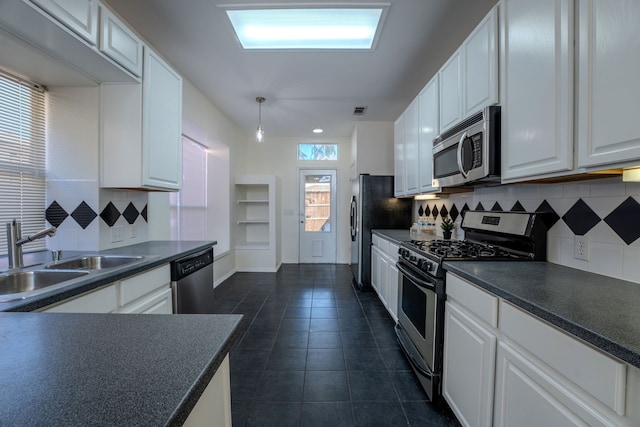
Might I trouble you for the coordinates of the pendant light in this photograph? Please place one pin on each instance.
(260, 131)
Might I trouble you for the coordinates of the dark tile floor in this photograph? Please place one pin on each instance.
(316, 352)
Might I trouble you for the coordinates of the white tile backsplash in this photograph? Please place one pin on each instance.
(609, 254)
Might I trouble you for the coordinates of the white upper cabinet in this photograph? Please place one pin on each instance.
(411, 145)
(608, 86)
(536, 85)
(480, 65)
(80, 16)
(450, 81)
(399, 159)
(142, 130)
(120, 43)
(428, 128)
(468, 81)
(161, 124)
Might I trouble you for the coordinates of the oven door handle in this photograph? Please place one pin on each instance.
(416, 279)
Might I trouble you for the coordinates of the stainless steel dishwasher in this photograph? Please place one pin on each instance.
(192, 283)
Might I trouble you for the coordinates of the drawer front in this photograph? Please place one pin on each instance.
(144, 283)
(393, 250)
(595, 372)
(104, 300)
(160, 302)
(479, 302)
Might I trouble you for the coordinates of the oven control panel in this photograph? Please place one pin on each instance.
(420, 261)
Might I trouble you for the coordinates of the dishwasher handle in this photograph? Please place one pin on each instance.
(189, 264)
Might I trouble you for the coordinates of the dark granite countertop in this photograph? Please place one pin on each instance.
(155, 254)
(397, 236)
(108, 369)
(600, 310)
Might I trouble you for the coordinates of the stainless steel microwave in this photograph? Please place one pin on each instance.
(469, 152)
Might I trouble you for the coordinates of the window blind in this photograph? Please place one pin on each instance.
(22, 158)
(189, 205)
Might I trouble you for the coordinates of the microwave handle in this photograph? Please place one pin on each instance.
(459, 155)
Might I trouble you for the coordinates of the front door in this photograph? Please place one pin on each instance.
(317, 216)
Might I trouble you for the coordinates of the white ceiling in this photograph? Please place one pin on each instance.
(305, 89)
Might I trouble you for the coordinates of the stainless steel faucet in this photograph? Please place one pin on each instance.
(15, 241)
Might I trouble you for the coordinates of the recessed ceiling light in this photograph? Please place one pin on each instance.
(306, 27)
(318, 130)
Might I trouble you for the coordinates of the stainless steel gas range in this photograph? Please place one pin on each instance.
(492, 236)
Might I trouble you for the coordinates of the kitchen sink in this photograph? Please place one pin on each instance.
(95, 262)
(29, 281)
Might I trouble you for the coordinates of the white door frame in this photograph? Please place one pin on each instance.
(332, 256)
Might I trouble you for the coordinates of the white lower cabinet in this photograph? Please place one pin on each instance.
(505, 367)
(214, 406)
(384, 274)
(469, 352)
(145, 293)
(528, 395)
(468, 369)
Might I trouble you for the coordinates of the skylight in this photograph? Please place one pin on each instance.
(306, 28)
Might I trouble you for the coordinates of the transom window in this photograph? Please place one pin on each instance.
(317, 151)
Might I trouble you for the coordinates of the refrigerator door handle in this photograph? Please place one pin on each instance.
(354, 218)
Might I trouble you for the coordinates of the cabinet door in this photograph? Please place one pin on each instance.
(480, 65)
(608, 85)
(527, 395)
(450, 80)
(120, 43)
(392, 289)
(161, 124)
(375, 268)
(411, 146)
(399, 159)
(536, 86)
(428, 128)
(80, 16)
(383, 286)
(469, 367)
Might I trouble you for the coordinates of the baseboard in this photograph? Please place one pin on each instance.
(223, 278)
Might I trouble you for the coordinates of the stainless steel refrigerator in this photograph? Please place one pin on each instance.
(373, 207)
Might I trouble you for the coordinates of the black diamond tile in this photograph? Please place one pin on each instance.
(517, 207)
(427, 212)
(110, 214)
(84, 215)
(420, 211)
(144, 213)
(479, 207)
(624, 220)
(130, 213)
(580, 218)
(496, 207)
(434, 212)
(55, 214)
(464, 210)
(549, 215)
(454, 212)
(444, 212)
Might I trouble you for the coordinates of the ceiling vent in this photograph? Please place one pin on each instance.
(359, 111)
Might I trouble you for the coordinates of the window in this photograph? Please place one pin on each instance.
(317, 151)
(189, 205)
(22, 158)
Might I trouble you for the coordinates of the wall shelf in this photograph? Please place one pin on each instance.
(256, 245)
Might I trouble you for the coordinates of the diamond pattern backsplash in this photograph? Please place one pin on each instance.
(580, 217)
(84, 215)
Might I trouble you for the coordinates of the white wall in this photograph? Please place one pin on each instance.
(205, 123)
(278, 156)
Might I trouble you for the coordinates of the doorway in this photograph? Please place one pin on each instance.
(318, 218)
